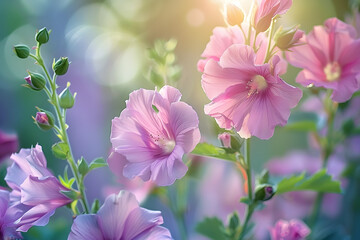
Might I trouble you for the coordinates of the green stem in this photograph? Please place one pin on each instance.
(54, 97)
(327, 150)
(251, 206)
(269, 49)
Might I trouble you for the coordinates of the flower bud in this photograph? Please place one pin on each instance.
(44, 120)
(61, 66)
(35, 81)
(22, 51)
(66, 99)
(264, 192)
(225, 139)
(288, 38)
(42, 36)
(233, 14)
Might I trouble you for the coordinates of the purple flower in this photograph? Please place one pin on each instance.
(120, 218)
(8, 144)
(6, 232)
(35, 191)
(153, 133)
(292, 230)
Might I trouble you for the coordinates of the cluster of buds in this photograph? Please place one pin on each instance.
(36, 81)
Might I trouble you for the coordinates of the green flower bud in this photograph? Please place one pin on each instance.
(61, 66)
(289, 38)
(22, 51)
(42, 36)
(264, 192)
(35, 81)
(66, 99)
(233, 14)
(44, 120)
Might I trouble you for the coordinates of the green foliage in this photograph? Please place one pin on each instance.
(212, 228)
(163, 69)
(319, 182)
(97, 163)
(61, 150)
(95, 206)
(83, 167)
(65, 181)
(209, 150)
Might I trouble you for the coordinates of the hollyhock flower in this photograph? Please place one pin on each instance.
(329, 56)
(8, 144)
(35, 191)
(120, 217)
(289, 230)
(138, 187)
(249, 97)
(223, 38)
(266, 10)
(153, 133)
(6, 232)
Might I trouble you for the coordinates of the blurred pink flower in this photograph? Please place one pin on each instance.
(6, 232)
(8, 145)
(223, 38)
(329, 57)
(35, 191)
(249, 97)
(120, 217)
(153, 133)
(266, 10)
(289, 230)
(138, 187)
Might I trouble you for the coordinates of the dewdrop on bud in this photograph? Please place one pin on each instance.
(22, 51)
(233, 14)
(42, 36)
(61, 66)
(44, 120)
(66, 99)
(264, 192)
(35, 81)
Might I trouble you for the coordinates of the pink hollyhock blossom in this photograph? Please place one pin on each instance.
(120, 217)
(329, 56)
(223, 38)
(153, 133)
(138, 187)
(6, 232)
(289, 230)
(8, 144)
(267, 9)
(35, 191)
(249, 97)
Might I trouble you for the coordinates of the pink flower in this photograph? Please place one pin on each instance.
(8, 144)
(289, 230)
(249, 97)
(120, 218)
(6, 232)
(329, 57)
(35, 191)
(138, 187)
(266, 10)
(153, 133)
(223, 38)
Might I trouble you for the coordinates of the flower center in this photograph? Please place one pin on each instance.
(332, 71)
(256, 85)
(166, 145)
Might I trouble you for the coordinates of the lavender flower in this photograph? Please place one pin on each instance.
(8, 144)
(6, 232)
(120, 218)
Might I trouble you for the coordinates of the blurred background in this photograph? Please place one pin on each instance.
(106, 42)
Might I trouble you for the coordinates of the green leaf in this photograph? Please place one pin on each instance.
(300, 121)
(83, 167)
(171, 45)
(71, 194)
(97, 163)
(95, 206)
(246, 200)
(209, 150)
(60, 150)
(212, 228)
(319, 182)
(156, 78)
(155, 108)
